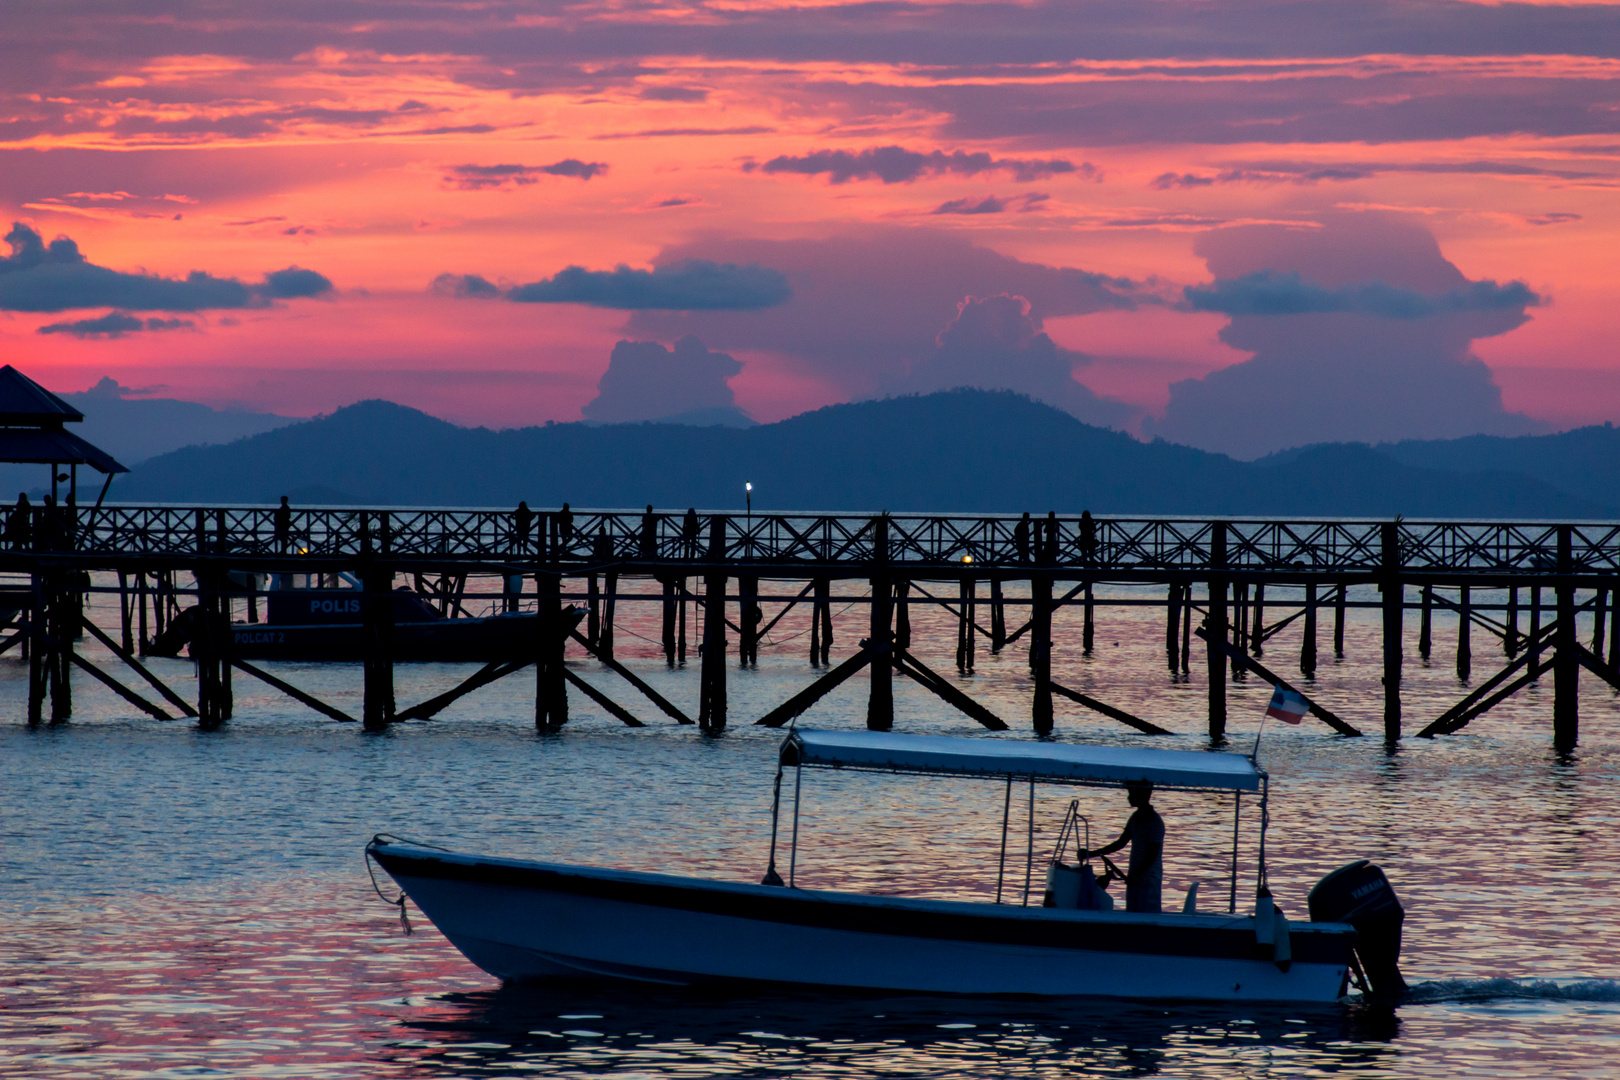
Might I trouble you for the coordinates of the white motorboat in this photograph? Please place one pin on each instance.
(522, 920)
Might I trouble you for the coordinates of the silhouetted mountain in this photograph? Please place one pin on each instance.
(962, 450)
(1584, 462)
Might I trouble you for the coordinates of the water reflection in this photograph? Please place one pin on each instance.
(584, 1031)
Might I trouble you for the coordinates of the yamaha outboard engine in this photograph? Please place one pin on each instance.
(1360, 894)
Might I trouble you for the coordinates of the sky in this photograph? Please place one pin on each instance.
(1239, 224)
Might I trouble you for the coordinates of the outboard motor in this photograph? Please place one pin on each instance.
(1360, 894)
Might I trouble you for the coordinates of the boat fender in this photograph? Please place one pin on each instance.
(1265, 919)
(1282, 954)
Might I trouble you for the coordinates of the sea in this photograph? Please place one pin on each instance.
(185, 904)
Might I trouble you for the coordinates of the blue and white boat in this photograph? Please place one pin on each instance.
(525, 920)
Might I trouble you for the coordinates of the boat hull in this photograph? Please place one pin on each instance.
(448, 640)
(523, 920)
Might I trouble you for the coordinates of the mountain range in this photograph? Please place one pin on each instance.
(957, 451)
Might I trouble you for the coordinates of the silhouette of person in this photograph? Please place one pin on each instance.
(565, 525)
(649, 534)
(50, 525)
(522, 522)
(602, 549)
(1088, 538)
(1144, 831)
(1021, 538)
(689, 532)
(283, 522)
(20, 524)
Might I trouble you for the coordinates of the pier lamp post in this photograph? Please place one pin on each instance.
(748, 497)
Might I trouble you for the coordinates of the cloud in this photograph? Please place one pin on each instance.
(688, 285)
(646, 381)
(867, 306)
(1170, 180)
(481, 177)
(992, 204)
(994, 343)
(895, 165)
(673, 93)
(1272, 292)
(57, 277)
(465, 287)
(115, 324)
(1360, 331)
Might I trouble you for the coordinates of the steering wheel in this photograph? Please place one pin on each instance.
(1112, 874)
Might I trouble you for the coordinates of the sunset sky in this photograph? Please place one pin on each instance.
(1365, 216)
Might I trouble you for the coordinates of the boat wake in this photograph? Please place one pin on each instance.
(1441, 991)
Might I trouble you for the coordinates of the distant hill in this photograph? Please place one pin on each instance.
(1584, 462)
(962, 450)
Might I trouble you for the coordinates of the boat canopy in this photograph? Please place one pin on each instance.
(1059, 763)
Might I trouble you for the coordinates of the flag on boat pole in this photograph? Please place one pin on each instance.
(1289, 706)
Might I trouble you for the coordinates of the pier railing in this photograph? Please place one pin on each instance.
(986, 543)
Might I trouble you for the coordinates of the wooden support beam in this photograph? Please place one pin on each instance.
(21, 636)
(1465, 651)
(880, 701)
(1532, 673)
(813, 693)
(634, 680)
(1510, 636)
(129, 658)
(791, 604)
(1110, 711)
(377, 648)
(1307, 647)
(998, 617)
(1172, 626)
(966, 597)
(293, 692)
(712, 681)
(1426, 622)
(1593, 663)
(550, 688)
(1566, 668)
(929, 679)
(613, 708)
(902, 614)
(1040, 653)
(1261, 670)
(1394, 604)
(490, 672)
(1442, 724)
(1214, 633)
(668, 635)
(749, 618)
(1614, 628)
(114, 685)
(821, 631)
(1338, 621)
(1257, 628)
(1088, 625)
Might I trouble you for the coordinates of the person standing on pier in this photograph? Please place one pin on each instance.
(20, 524)
(689, 532)
(1144, 877)
(522, 522)
(283, 524)
(1021, 538)
(649, 534)
(565, 525)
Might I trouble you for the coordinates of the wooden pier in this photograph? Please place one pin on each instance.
(1212, 578)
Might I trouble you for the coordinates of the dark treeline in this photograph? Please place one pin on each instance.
(962, 451)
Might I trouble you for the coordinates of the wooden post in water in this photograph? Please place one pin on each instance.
(748, 620)
(1240, 623)
(1215, 622)
(1426, 623)
(377, 707)
(998, 617)
(604, 643)
(1394, 619)
(550, 685)
(1566, 669)
(1614, 629)
(669, 620)
(902, 614)
(1040, 651)
(880, 701)
(1600, 611)
(210, 631)
(1535, 627)
(712, 681)
(1257, 628)
(1172, 625)
(1186, 629)
(966, 590)
(1338, 621)
(141, 594)
(1088, 631)
(1465, 618)
(1307, 646)
(1510, 639)
(593, 611)
(682, 603)
(821, 635)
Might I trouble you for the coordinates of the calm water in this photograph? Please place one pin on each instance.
(180, 904)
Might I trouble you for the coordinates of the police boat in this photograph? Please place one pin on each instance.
(524, 920)
(319, 616)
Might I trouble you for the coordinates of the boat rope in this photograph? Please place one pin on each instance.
(400, 900)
